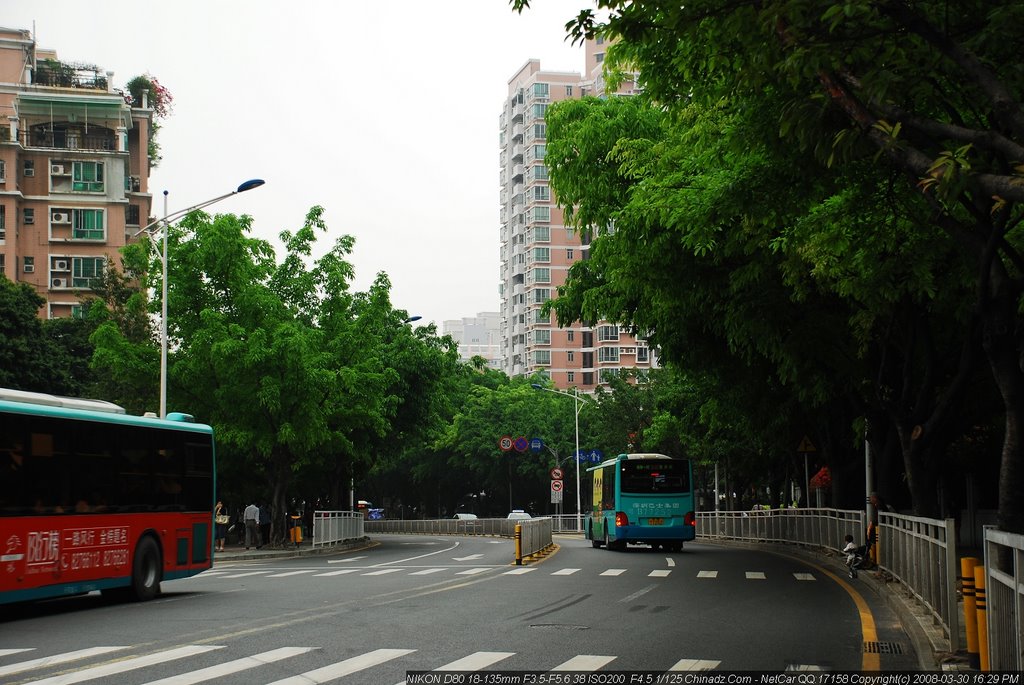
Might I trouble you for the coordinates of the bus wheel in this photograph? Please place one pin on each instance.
(146, 570)
(590, 534)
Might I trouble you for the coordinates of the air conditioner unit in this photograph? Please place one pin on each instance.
(60, 218)
(59, 283)
(60, 265)
(57, 169)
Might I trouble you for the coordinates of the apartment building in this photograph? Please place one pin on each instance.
(537, 249)
(74, 171)
(477, 336)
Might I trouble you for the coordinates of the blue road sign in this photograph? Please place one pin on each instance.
(536, 444)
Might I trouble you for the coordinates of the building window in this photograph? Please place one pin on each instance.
(568, 91)
(569, 254)
(608, 333)
(588, 378)
(542, 234)
(541, 193)
(539, 111)
(542, 357)
(540, 317)
(28, 265)
(3, 222)
(539, 151)
(542, 213)
(3, 171)
(131, 215)
(78, 311)
(3, 263)
(607, 354)
(28, 216)
(570, 335)
(642, 354)
(84, 270)
(570, 377)
(541, 295)
(87, 224)
(542, 255)
(87, 177)
(540, 131)
(608, 375)
(542, 336)
(542, 275)
(28, 168)
(599, 57)
(540, 172)
(570, 356)
(540, 90)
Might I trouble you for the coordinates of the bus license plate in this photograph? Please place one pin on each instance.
(655, 522)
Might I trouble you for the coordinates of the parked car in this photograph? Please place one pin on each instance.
(518, 514)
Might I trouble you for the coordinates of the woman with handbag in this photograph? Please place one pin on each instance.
(220, 520)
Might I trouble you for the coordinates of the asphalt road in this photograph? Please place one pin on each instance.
(454, 603)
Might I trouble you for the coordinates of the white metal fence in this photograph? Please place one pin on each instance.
(334, 527)
(535, 533)
(1004, 589)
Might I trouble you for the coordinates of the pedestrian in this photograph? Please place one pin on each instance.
(854, 555)
(251, 516)
(220, 522)
(264, 524)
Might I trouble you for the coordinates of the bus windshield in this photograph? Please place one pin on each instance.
(650, 477)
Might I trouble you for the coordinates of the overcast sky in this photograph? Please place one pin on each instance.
(385, 113)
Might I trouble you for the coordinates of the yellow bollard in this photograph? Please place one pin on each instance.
(519, 544)
(979, 593)
(967, 565)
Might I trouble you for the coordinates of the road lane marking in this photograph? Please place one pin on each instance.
(338, 573)
(695, 665)
(471, 557)
(707, 574)
(243, 575)
(637, 594)
(293, 573)
(236, 666)
(116, 667)
(383, 572)
(659, 573)
(344, 561)
(670, 561)
(584, 662)
(755, 575)
(52, 660)
(472, 571)
(344, 668)
(518, 571)
(613, 572)
(427, 571)
(804, 576)
(565, 572)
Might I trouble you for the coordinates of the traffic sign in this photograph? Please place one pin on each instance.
(521, 444)
(556, 485)
(556, 473)
(505, 443)
(806, 445)
(536, 444)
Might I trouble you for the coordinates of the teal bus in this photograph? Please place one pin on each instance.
(643, 499)
(92, 498)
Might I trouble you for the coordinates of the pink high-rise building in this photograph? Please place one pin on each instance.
(74, 171)
(537, 248)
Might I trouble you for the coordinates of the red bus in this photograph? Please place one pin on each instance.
(94, 499)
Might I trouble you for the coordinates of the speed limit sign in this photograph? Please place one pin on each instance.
(505, 443)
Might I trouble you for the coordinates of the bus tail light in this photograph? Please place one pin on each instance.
(690, 519)
(621, 519)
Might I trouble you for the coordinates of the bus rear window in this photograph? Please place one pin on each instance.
(661, 476)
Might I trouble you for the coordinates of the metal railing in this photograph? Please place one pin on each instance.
(920, 553)
(335, 527)
(535, 534)
(1004, 590)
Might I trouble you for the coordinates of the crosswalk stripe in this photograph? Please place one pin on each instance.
(475, 661)
(124, 666)
(584, 662)
(695, 665)
(427, 571)
(243, 575)
(5, 652)
(804, 576)
(344, 668)
(344, 561)
(613, 572)
(472, 571)
(755, 575)
(659, 573)
(707, 574)
(565, 572)
(519, 571)
(337, 573)
(670, 561)
(52, 660)
(236, 666)
(383, 572)
(292, 573)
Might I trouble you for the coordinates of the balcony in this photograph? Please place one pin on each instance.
(69, 139)
(69, 75)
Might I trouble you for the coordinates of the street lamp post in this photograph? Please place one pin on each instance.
(166, 222)
(578, 402)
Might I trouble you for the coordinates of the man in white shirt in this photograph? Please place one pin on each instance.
(251, 516)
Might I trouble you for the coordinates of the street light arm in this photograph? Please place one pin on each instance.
(174, 216)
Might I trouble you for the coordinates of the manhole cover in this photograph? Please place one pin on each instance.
(883, 648)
